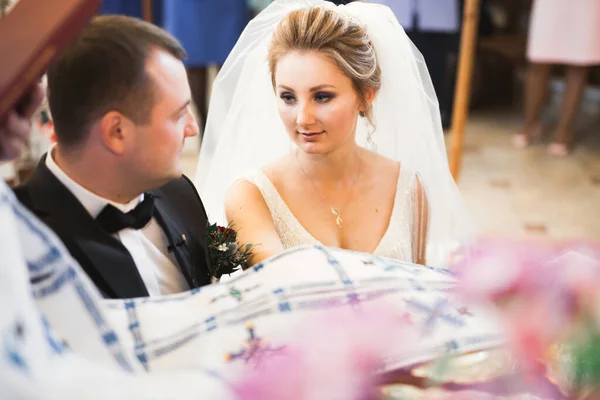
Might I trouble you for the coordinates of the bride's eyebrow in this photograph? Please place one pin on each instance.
(320, 87)
(285, 88)
(312, 89)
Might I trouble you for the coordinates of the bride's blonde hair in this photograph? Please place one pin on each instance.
(342, 40)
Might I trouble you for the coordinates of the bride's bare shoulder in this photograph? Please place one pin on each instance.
(241, 194)
(245, 191)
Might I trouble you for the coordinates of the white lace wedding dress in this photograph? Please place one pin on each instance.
(396, 243)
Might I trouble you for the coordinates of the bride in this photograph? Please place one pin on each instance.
(324, 129)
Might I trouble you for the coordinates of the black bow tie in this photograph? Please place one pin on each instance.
(113, 220)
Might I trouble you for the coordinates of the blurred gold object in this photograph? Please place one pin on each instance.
(560, 366)
(480, 366)
(465, 369)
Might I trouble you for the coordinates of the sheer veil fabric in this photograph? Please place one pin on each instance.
(244, 131)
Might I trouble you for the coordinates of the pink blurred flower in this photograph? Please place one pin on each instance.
(500, 270)
(494, 269)
(542, 288)
(335, 356)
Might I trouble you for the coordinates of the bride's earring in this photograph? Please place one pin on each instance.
(370, 132)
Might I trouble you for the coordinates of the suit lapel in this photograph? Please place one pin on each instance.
(176, 236)
(100, 254)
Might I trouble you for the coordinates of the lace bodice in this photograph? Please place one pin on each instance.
(396, 243)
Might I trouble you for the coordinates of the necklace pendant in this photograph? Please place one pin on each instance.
(338, 218)
(339, 221)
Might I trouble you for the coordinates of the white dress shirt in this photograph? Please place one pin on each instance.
(147, 246)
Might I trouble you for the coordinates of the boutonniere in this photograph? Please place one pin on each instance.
(226, 254)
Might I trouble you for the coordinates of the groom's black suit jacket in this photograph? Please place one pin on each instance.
(177, 209)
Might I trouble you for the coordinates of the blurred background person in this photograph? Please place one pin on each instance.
(564, 33)
(131, 8)
(208, 30)
(433, 26)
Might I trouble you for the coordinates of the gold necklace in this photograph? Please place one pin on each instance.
(335, 211)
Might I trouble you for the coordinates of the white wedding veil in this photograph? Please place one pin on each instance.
(244, 131)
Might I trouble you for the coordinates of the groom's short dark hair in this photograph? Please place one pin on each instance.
(104, 69)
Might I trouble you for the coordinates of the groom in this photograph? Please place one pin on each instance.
(112, 187)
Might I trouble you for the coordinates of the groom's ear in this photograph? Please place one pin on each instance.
(114, 129)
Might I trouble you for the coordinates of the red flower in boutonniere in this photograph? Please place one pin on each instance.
(226, 254)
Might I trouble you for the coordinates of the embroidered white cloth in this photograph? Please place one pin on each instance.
(60, 340)
(48, 301)
(276, 296)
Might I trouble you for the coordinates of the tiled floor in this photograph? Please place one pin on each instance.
(527, 192)
(521, 192)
